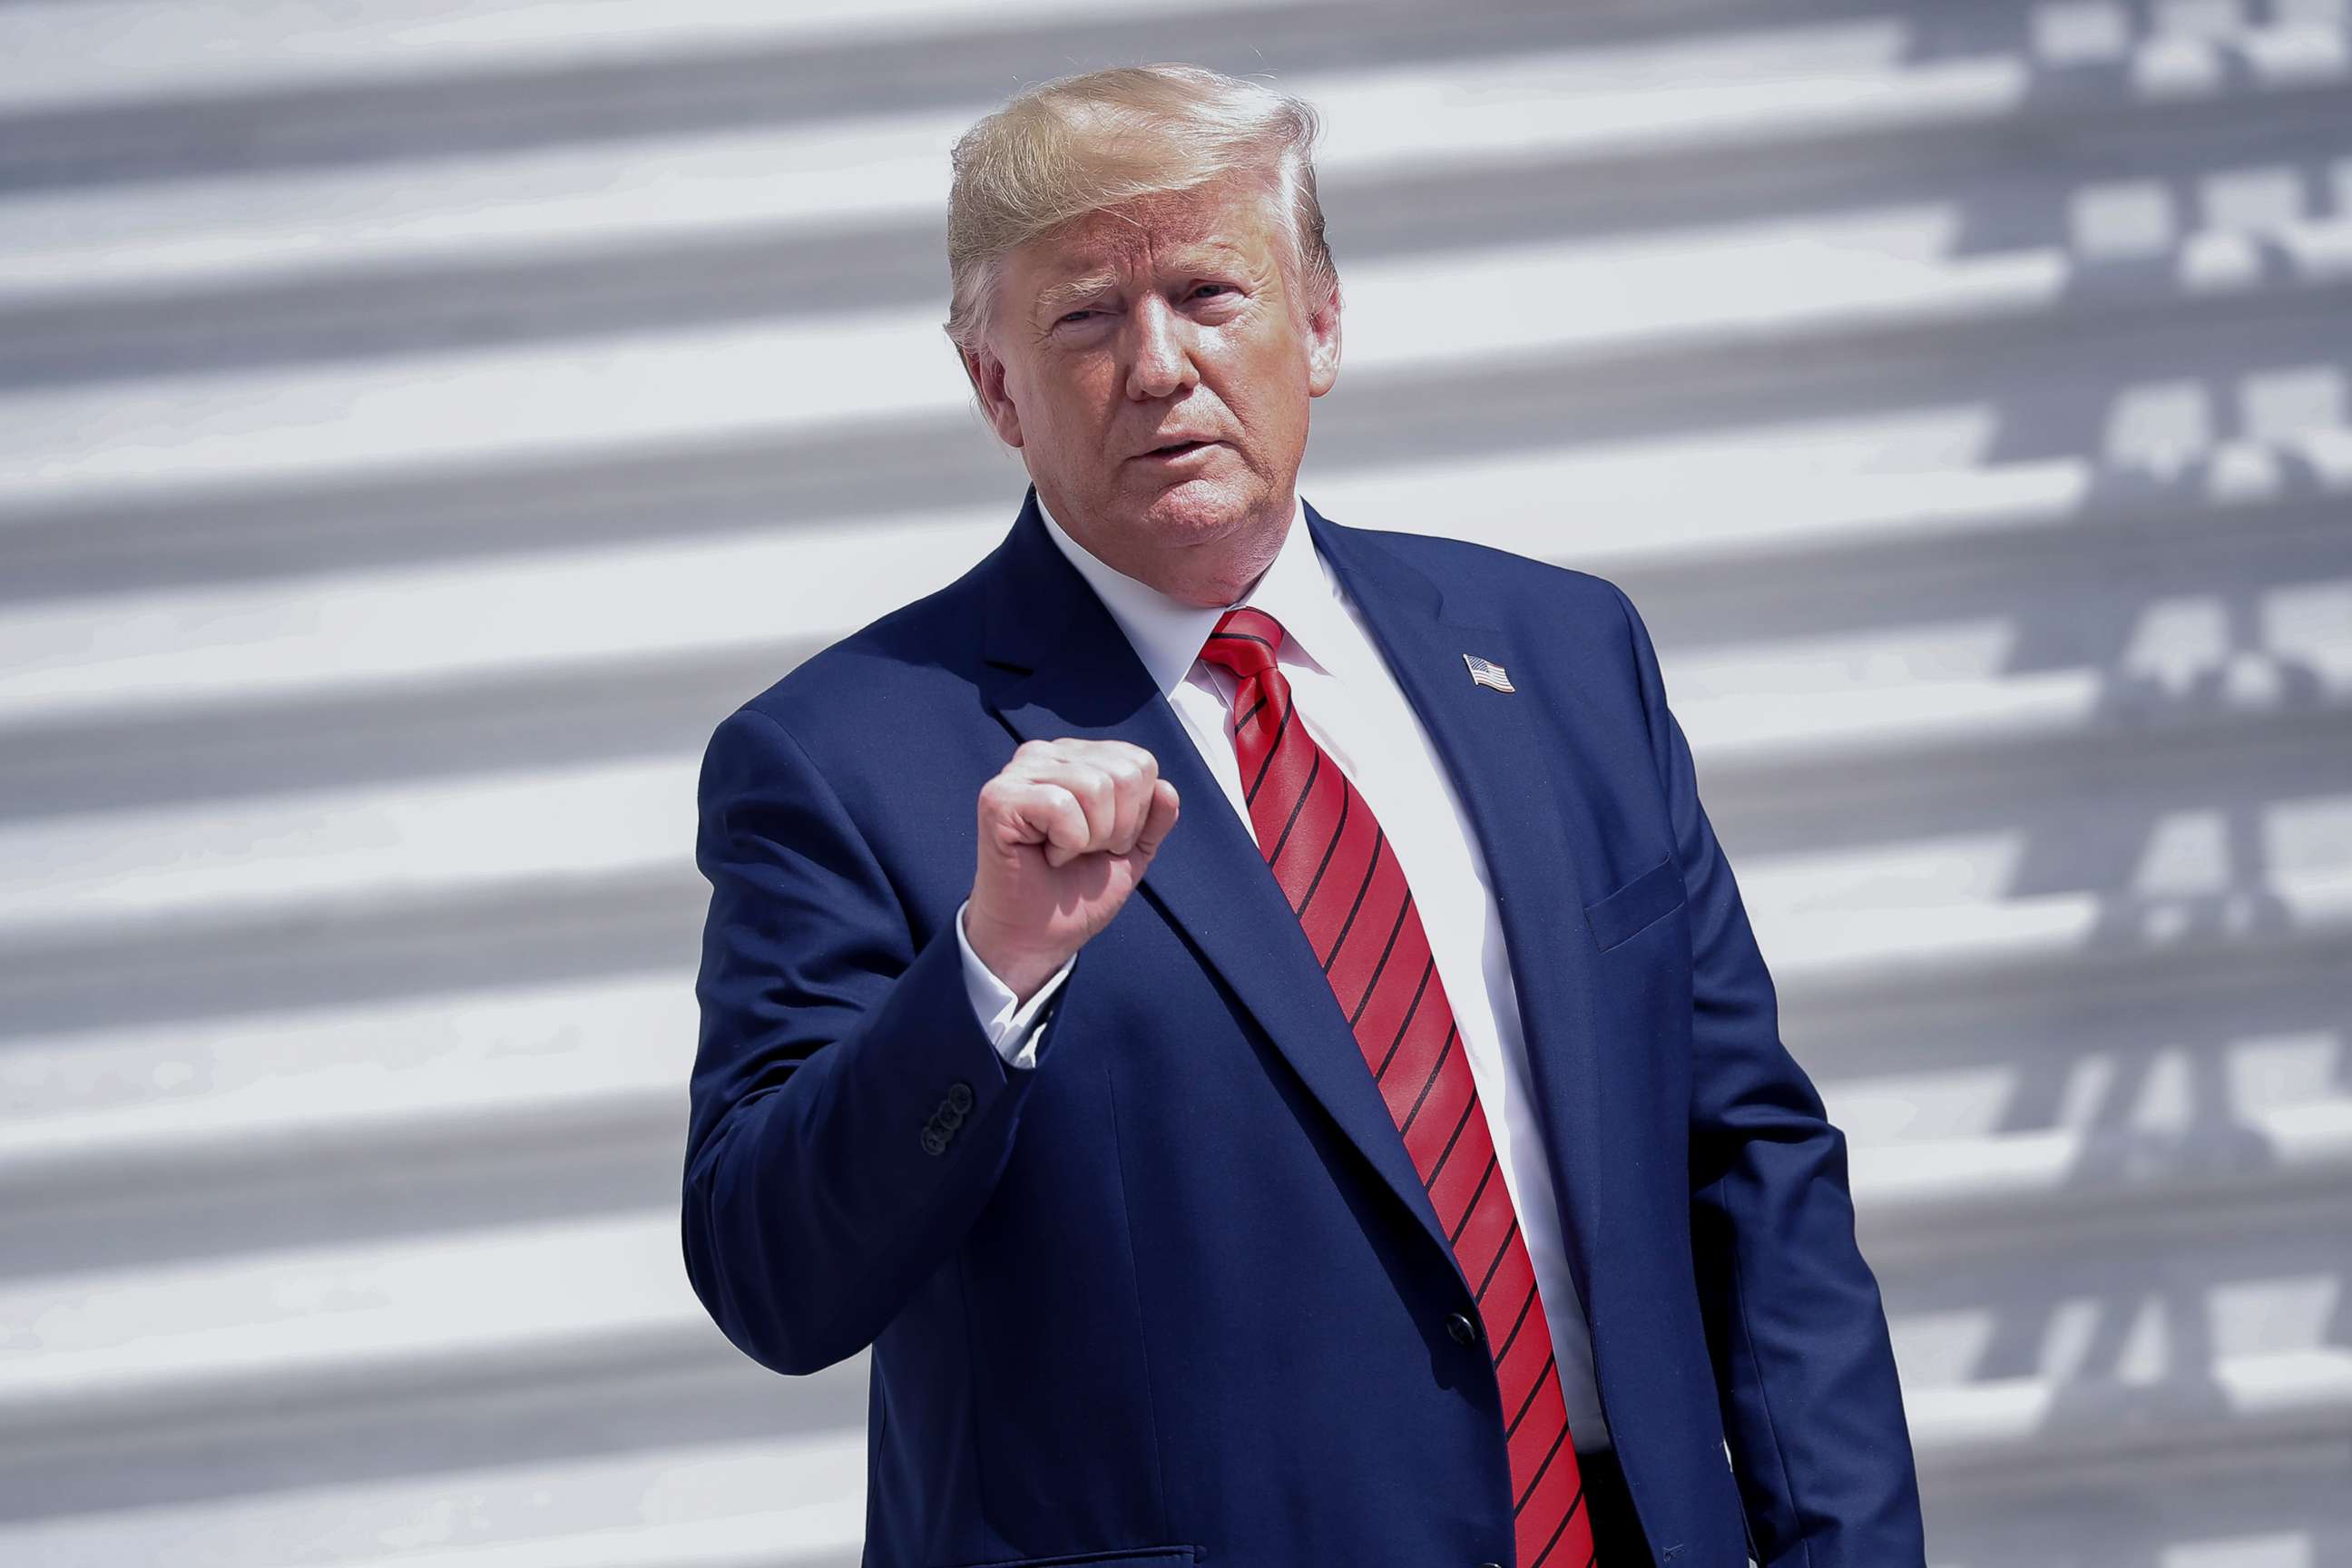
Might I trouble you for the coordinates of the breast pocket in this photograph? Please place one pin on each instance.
(1648, 898)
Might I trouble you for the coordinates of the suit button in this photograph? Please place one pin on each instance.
(934, 1141)
(960, 1096)
(949, 1117)
(1464, 1331)
(1490, 1565)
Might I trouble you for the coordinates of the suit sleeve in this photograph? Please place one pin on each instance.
(1804, 1361)
(848, 1116)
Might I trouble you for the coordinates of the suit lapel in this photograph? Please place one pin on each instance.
(1061, 666)
(1517, 784)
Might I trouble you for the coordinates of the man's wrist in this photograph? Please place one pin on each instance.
(1023, 975)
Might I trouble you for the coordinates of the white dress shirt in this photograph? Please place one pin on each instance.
(1343, 692)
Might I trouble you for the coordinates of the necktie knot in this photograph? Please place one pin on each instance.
(1244, 640)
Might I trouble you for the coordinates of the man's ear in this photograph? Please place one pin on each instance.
(986, 373)
(1323, 344)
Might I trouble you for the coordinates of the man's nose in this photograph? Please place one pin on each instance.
(1163, 349)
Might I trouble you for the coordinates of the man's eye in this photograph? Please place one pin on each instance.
(1225, 285)
(1076, 314)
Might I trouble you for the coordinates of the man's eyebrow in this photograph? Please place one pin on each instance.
(1052, 299)
(1055, 297)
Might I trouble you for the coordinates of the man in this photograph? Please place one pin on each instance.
(1412, 1172)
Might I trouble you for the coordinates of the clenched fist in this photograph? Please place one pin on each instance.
(1066, 831)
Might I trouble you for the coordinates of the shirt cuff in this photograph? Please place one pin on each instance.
(1016, 1032)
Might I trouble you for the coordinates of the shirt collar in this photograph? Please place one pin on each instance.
(1297, 589)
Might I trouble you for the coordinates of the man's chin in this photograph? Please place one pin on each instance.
(1195, 507)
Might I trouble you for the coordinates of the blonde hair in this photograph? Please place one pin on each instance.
(1077, 144)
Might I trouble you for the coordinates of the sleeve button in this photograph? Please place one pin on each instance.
(934, 1141)
(960, 1096)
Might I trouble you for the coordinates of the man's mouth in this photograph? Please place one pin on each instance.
(1177, 449)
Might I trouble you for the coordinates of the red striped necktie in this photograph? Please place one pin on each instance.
(1335, 864)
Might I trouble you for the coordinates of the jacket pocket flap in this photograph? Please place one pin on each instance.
(1615, 916)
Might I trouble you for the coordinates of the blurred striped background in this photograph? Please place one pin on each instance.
(422, 420)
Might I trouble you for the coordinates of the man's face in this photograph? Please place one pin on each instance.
(1127, 328)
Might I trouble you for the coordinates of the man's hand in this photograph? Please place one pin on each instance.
(1066, 831)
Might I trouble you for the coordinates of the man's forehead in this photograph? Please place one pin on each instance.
(1101, 246)
(1168, 230)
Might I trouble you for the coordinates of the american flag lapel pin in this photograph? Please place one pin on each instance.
(1486, 672)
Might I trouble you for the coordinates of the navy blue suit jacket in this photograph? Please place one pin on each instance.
(1177, 1296)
